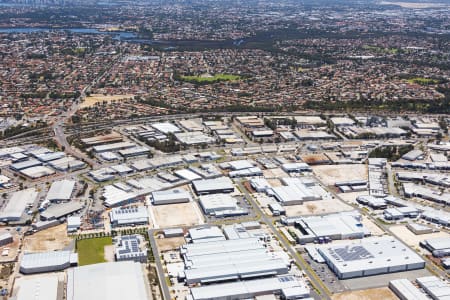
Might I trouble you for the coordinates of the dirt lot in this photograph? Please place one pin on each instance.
(98, 98)
(317, 207)
(411, 239)
(180, 214)
(374, 229)
(330, 174)
(54, 238)
(372, 294)
(170, 243)
(274, 173)
(12, 249)
(109, 253)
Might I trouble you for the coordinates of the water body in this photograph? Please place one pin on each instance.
(120, 35)
(133, 37)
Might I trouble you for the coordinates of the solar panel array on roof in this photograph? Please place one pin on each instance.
(351, 253)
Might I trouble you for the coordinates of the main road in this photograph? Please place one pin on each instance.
(324, 293)
(58, 126)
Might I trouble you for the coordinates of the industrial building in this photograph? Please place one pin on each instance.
(73, 224)
(171, 196)
(229, 260)
(128, 216)
(405, 290)
(371, 201)
(47, 261)
(287, 287)
(130, 247)
(17, 204)
(413, 155)
(57, 211)
(37, 288)
(436, 288)
(206, 234)
(113, 147)
(399, 213)
(67, 163)
(439, 247)
(6, 238)
(294, 191)
(61, 190)
(213, 186)
(221, 205)
(107, 281)
(372, 256)
(296, 167)
(335, 226)
(260, 185)
(115, 196)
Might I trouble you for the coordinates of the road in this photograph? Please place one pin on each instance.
(159, 267)
(324, 294)
(58, 126)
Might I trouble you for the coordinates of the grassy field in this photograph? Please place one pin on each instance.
(204, 79)
(92, 251)
(423, 81)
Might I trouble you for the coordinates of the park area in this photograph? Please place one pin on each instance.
(92, 250)
(207, 78)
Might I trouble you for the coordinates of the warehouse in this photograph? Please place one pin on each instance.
(135, 151)
(102, 139)
(296, 167)
(128, 216)
(260, 184)
(46, 157)
(213, 186)
(170, 196)
(249, 289)
(335, 226)
(51, 261)
(38, 288)
(6, 238)
(187, 175)
(229, 260)
(372, 256)
(116, 197)
(399, 213)
(295, 191)
(413, 155)
(166, 127)
(61, 190)
(436, 288)
(405, 290)
(194, 138)
(73, 224)
(37, 172)
(107, 281)
(439, 247)
(221, 205)
(206, 234)
(25, 164)
(130, 247)
(256, 171)
(113, 147)
(17, 205)
(66, 164)
(371, 201)
(61, 210)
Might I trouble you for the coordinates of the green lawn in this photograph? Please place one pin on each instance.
(202, 79)
(423, 81)
(92, 251)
